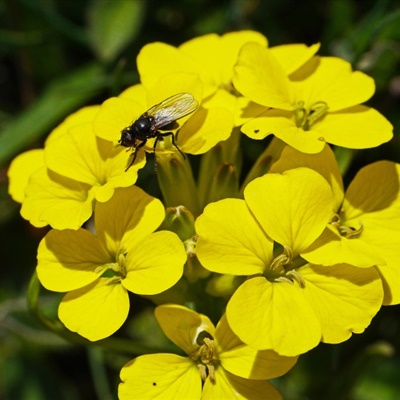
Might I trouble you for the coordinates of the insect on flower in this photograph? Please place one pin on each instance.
(161, 117)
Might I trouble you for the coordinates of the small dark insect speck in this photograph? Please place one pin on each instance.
(154, 384)
(256, 130)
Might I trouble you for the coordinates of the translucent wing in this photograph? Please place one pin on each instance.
(172, 109)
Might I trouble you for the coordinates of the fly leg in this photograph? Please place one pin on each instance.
(134, 153)
(172, 139)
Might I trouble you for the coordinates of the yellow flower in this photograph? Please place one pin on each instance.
(215, 356)
(316, 104)
(74, 170)
(98, 270)
(25, 164)
(211, 57)
(285, 304)
(364, 228)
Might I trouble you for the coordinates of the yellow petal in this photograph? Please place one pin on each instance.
(114, 115)
(174, 60)
(344, 298)
(155, 264)
(273, 316)
(231, 241)
(260, 77)
(55, 200)
(331, 79)
(245, 361)
(324, 163)
(174, 83)
(374, 189)
(69, 260)
(130, 215)
(95, 311)
(281, 124)
(182, 325)
(160, 376)
(229, 48)
(82, 156)
(205, 129)
(357, 127)
(292, 208)
(246, 110)
(390, 276)
(231, 387)
(387, 244)
(331, 248)
(292, 56)
(20, 171)
(85, 114)
(218, 54)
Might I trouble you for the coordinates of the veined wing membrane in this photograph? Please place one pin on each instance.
(172, 109)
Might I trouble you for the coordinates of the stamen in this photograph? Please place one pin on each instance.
(295, 275)
(284, 268)
(122, 262)
(281, 260)
(205, 357)
(306, 118)
(300, 114)
(346, 231)
(113, 280)
(349, 232)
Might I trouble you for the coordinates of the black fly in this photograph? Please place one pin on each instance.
(160, 117)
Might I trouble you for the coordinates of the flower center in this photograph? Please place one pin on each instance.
(205, 357)
(348, 232)
(306, 117)
(283, 268)
(116, 271)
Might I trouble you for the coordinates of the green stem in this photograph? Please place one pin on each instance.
(224, 184)
(344, 158)
(221, 164)
(264, 162)
(99, 373)
(176, 182)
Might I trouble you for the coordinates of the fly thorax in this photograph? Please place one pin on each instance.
(142, 128)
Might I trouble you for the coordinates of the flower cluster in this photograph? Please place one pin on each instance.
(281, 260)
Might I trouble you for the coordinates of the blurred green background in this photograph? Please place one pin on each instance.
(59, 55)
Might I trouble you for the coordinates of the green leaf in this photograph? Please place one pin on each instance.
(113, 24)
(58, 100)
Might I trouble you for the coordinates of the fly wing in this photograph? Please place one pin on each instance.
(172, 109)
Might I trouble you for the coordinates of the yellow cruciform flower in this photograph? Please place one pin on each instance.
(98, 270)
(216, 359)
(211, 57)
(25, 164)
(363, 230)
(316, 104)
(75, 170)
(285, 304)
